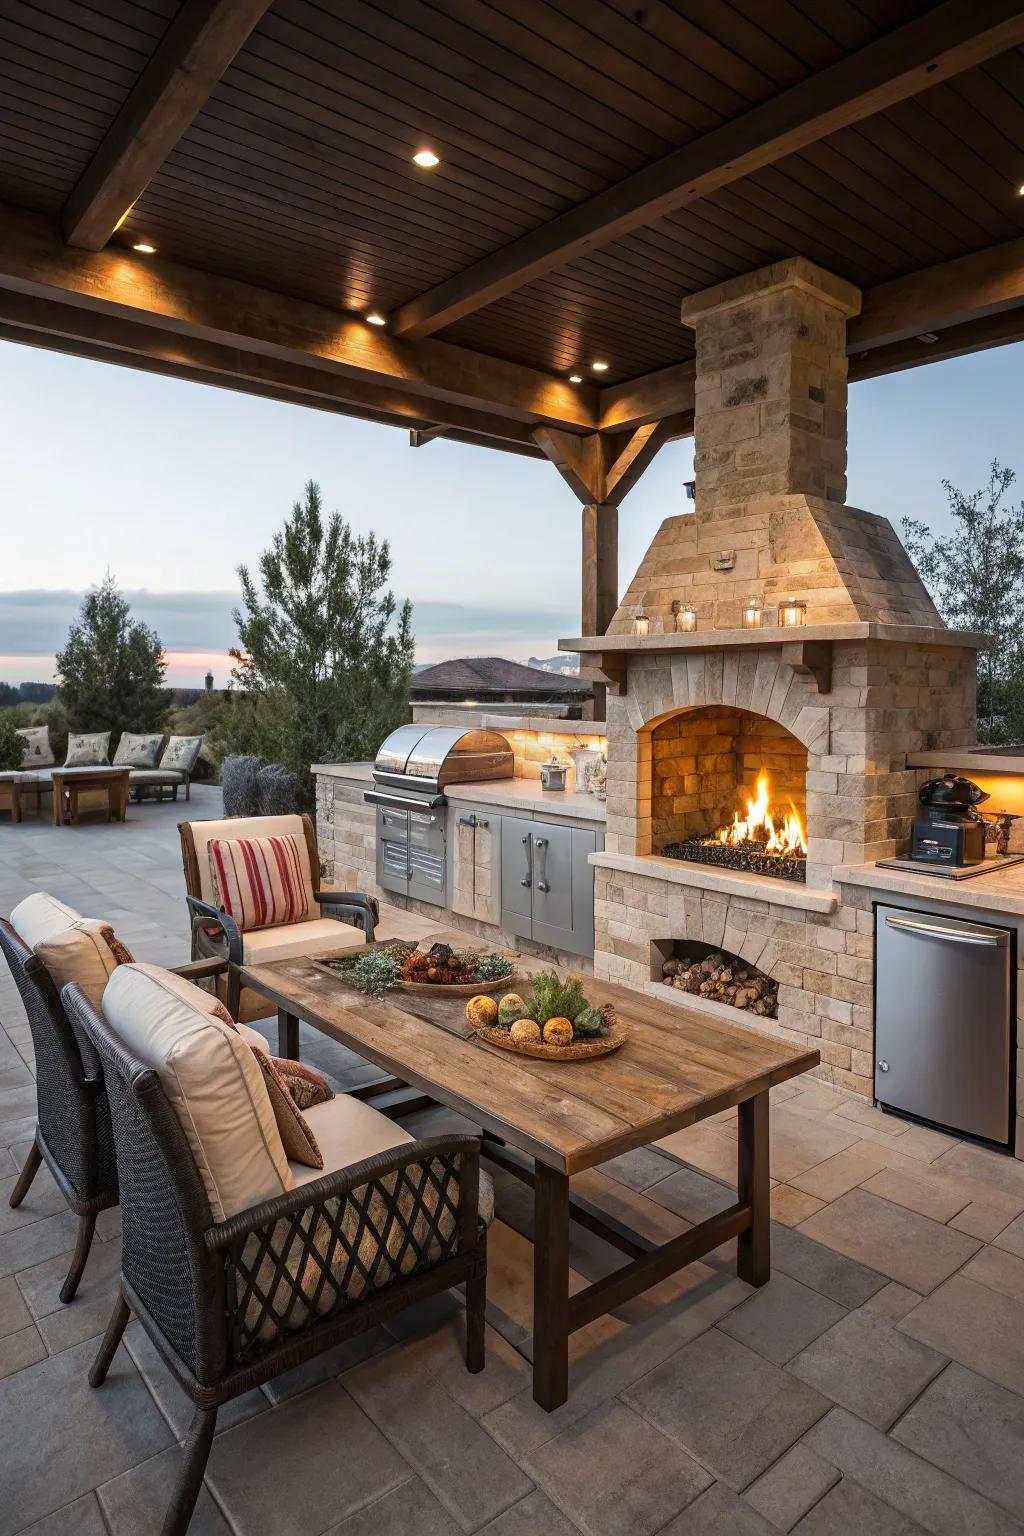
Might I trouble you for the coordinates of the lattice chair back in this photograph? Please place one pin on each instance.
(168, 1272)
(73, 1115)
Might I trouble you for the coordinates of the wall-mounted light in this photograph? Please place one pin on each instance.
(753, 614)
(792, 613)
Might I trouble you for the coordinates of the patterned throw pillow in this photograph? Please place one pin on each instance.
(134, 751)
(299, 1143)
(91, 751)
(258, 881)
(306, 1085)
(181, 753)
(38, 752)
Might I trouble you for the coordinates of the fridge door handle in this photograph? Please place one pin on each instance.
(528, 880)
(541, 845)
(989, 938)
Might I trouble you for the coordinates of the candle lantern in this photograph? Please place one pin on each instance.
(686, 618)
(753, 614)
(641, 623)
(792, 613)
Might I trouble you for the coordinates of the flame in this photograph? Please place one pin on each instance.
(759, 826)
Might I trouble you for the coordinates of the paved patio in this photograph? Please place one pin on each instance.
(875, 1383)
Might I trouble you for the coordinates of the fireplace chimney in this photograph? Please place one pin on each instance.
(771, 386)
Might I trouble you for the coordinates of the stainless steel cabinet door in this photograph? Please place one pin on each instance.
(552, 883)
(942, 1020)
(517, 875)
(393, 850)
(427, 856)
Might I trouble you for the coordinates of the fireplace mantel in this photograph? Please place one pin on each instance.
(807, 649)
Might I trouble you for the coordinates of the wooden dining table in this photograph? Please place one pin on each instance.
(545, 1121)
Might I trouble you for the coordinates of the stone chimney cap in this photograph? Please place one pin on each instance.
(793, 272)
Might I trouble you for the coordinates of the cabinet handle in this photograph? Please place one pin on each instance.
(541, 845)
(526, 849)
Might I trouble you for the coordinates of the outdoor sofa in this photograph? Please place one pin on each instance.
(155, 762)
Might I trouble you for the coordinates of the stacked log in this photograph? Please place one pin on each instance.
(725, 979)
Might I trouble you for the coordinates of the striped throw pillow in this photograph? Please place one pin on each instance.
(259, 881)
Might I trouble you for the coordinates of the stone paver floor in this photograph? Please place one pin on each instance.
(877, 1382)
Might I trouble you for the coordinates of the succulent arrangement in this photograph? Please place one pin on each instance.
(554, 1010)
(377, 970)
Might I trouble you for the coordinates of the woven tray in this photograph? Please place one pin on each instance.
(457, 988)
(579, 1050)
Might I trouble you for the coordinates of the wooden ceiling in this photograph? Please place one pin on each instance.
(600, 159)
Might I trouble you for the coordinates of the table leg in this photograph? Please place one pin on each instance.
(287, 1035)
(753, 1258)
(550, 1288)
(57, 802)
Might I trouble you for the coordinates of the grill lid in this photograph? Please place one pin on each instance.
(428, 757)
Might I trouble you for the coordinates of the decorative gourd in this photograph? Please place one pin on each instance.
(481, 1010)
(524, 1032)
(558, 1032)
(510, 1008)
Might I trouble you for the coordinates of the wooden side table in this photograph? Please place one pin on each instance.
(70, 783)
(16, 792)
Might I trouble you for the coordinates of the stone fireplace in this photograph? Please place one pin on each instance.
(828, 712)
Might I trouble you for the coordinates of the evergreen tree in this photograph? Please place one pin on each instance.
(112, 668)
(976, 577)
(325, 655)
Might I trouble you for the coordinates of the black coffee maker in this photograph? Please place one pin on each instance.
(951, 830)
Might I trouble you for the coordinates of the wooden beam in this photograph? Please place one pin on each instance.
(579, 460)
(103, 338)
(600, 467)
(669, 392)
(950, 293)
(998, 330)
(199, 306)
(944, 41)
(195, 52)
(634, 456)
(419, 437)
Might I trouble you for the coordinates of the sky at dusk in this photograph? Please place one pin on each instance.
(171, 485)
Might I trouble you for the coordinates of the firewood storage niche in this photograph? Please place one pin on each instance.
(729, 788)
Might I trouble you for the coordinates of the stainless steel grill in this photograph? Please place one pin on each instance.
(410, 773)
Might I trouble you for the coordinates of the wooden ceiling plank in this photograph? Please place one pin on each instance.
(189, 302)
(196, 50)
(955, 36)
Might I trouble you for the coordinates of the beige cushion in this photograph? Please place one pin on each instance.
(38, 752)
(135, 750)
(155, 776)
(346, 1131)
(250, 826)
(212, 1079)
(321, 936)
(181, 753)
(72, 948)
(88, 751)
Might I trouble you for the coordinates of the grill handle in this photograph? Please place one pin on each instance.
(403, 802)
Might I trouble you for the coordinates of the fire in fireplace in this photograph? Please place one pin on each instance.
(762, 841)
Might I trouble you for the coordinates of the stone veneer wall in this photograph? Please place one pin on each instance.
(887, 699)
(704, 766)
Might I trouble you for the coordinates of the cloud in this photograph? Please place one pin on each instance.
(197, 625)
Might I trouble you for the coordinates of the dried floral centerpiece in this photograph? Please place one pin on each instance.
(553, 1020)
(412, 968)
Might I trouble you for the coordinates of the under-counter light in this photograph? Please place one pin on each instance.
(144, 248)
(375, 318)
(426, 159)
(599, 367)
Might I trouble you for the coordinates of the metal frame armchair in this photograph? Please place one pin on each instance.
(217, 936)
(230, 1305)
(73, 1135)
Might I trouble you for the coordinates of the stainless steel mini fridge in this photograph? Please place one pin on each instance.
(943, 1009)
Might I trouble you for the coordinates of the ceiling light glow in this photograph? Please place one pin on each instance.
(599, 367)
(144, 247)
(426, 159)
(575, 378)
(375, 318)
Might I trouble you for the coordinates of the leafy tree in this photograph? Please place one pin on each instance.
(112, 668)
(975, 574)
(325, 654)
(8, 695)
(12, 746)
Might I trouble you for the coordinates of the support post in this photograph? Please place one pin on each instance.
(600, 594)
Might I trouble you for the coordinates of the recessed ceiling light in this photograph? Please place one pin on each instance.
(144, 247)
(1020, 190)
(575, 378)
(599, 367)
(375, 318)
(426, 159)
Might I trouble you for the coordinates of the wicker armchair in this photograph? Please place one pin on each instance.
(233, 1304)
(215, 935)
(73, 1135)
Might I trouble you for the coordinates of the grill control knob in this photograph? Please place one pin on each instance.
(883, 1066)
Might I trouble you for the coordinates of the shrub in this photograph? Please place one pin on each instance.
(12, 745)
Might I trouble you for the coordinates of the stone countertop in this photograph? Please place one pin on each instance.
(970, 760)
(726, 882)
(505, 794)
(999, 891)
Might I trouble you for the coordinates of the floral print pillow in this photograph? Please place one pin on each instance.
(90, 751)
(181, 753)
(134, 751)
